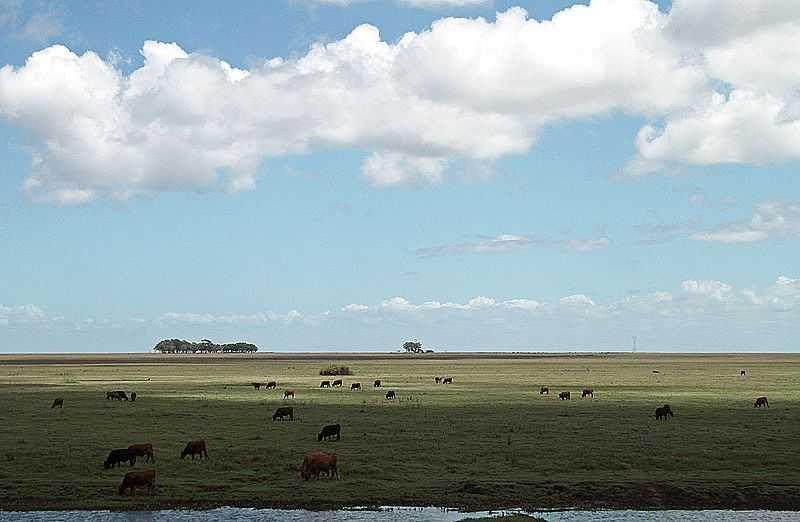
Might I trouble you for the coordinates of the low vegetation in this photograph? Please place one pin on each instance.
(204, 346)
(336, 370)
(489, 440)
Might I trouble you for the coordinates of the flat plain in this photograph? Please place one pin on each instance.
(488, 440)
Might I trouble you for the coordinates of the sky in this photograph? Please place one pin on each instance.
(328, 175)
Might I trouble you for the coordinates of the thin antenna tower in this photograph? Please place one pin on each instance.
(634, 344)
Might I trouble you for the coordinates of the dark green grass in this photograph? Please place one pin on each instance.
(488, 440)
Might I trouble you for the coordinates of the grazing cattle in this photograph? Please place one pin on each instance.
(564, 396)
(195, 447)
(337, 382)
(437, 379)
(256, 385)
(329, 431)
(118, 456)
(134, 479)
(133, 396)
(390, 394)
(656, 371)
(587, 392)
(544, 390)
(143, 450)
(742, 373)
(319, 462)
(288, 393)
(664, 412)
(761, 401)
(325, 384)
(285, 411)
(271, 385)
(118, 395)
(58, 403)
(447, 380)
(356, 386)
(377, 383)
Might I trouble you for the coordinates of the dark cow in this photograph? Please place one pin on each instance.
(564, 396)
(742, 373)
(337, 382)
(325, 384)
(118, 395)
(118, 456)
(58, 403)
(437, 379)
(133, 396)
(319, 462)
(271, 385)
(447, 380)
(288, 393)
(195, 447)
(544, 390)
(761, 401)
(329, 431)
(377, 383)
(587, 392)
(134, 479)
(664, 412)
(356, 386)
(285, 411)
(256, 385)
(390, 394)
(143, 450)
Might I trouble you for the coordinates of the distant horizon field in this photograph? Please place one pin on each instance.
(489, 440)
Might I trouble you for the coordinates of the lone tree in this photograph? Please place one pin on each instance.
(413, 346)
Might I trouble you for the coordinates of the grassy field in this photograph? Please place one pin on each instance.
(488, 440)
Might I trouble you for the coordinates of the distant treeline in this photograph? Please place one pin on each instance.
(206, 346)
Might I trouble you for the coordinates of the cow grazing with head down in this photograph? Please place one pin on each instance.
(761, 401)
(742, 373)
(58, 403)
(377, 383)
(256, 385)
(325, 384)
(133, 396)
(319, 462)
(664, 412)
(356, 386)
(544, 390)
(337, 382)
(134, 479)
(437, 379)
(118, 395)
(117, 456)
(390, 394)
(587, 392)
(143, 450)
(329, 431)
(195, 447)
(285, 411)
(288, 393)
(564, 396)
(271, 385)
(447, 380)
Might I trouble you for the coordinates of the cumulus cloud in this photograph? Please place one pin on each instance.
(770, 220)
(20, 314)
(190, 121)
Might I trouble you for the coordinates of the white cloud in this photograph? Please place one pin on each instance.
(770, 220)
(189, 121)
(588, 245)
(254, 319)
(20, 314)
(506, 242)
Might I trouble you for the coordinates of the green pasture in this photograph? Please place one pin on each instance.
(488, 440)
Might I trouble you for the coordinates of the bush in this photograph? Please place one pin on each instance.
(335, 370)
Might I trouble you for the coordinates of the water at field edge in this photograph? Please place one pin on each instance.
(391, 514)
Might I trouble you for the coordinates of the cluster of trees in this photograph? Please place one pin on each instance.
(414, 347)
(335, 370)
(204, 346)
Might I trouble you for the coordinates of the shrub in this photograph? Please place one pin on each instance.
(335, 370)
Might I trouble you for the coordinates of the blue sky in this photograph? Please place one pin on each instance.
(549, 179)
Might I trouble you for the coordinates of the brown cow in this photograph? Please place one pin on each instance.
(319, 462)
(564, 396)
(143, 450)
(761, 401)
(195, 447)
(544, 390)
(356, 386)
(377, 383)
(325, 384)
(133, 479)
(587, 392)
(271, 385)
(284, 411)
(337, 382)
(58, 403)
(288, 393)
(664, 412)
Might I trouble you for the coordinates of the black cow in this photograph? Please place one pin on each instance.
(329, 431)
(271, 385)
(587, 392)
(447, 380)
(356, 386)
(133, 396)
(377, 383)
(544, 390)
(437, 379)
(742, 373)
(325, 384)
(117, 395)
(58, 403)
(564, 396)
(664, 412)
(761, 401)
(390, 394)
(256, 385)
(337, 382)
(283, 411)
(118, 456)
